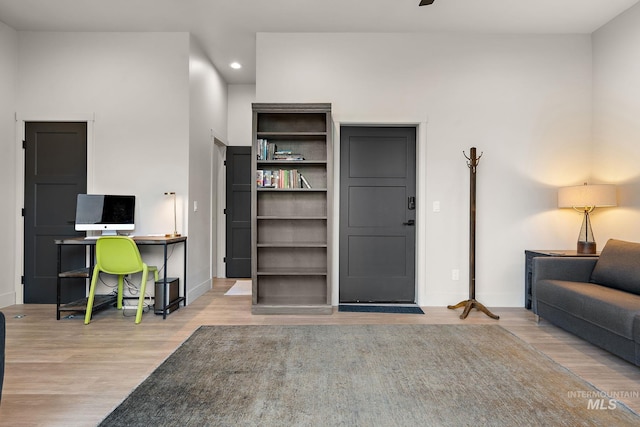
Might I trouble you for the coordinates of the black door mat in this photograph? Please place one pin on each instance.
(357, 308)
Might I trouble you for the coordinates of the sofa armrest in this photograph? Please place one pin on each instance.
(575, 269)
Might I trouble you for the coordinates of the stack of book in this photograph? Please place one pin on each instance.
(282, 178)
(286, 155)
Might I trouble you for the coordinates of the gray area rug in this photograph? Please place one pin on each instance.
(362, 375)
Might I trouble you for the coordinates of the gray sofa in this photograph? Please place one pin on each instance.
(597, 299)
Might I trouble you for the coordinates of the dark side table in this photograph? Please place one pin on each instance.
(530, 254)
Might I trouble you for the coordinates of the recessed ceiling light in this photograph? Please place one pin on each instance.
(235, 65)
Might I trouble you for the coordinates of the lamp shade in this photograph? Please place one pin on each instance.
(587, 196)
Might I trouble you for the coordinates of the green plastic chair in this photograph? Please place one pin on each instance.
(118, 255)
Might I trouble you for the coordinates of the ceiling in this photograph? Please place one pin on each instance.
(226, 29)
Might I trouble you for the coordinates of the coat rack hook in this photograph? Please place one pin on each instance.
(473, 161)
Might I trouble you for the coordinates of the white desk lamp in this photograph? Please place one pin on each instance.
(175, 220)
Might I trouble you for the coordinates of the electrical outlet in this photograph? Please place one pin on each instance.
(455, 274)
(436, 206)
(195, 206)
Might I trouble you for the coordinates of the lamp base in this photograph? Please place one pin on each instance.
(586, 248)
(172, 235)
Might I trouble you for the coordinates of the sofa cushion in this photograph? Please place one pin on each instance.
(619, 266)
(608, 308)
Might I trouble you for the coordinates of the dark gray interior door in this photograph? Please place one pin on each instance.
(55, 172)
(238, 212)
(377, 214)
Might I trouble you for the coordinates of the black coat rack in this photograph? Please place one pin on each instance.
(472, 162)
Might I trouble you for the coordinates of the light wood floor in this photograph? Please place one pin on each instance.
(63, 373)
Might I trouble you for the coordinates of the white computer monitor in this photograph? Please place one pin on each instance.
(105, 212)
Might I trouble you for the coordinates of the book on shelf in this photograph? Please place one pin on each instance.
(281, 178)
(260, 149)
(266, 149)
(304, 182)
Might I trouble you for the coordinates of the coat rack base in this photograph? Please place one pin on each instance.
(468, 305)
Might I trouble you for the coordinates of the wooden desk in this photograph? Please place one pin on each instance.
(102, 301)
(528, 270)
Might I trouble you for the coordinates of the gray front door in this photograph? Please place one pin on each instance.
(238, 212)
(55, 172)
(377, 214)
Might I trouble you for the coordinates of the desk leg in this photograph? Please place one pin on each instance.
(184, 275)
(164, 286)
(58, 283)
(165, 283)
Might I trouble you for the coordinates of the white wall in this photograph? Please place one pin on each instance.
(208, 120)
(525, 101)
(240, 114)
(9, 149)
(136, 85)
(616, 127)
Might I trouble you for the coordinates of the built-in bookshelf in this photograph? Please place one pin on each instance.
(290, 203)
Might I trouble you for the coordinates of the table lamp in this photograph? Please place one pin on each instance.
(585, 198)
(175, 222)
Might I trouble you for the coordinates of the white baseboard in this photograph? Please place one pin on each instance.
(199, 290)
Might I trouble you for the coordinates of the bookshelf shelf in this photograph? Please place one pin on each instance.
(300, 190)
(293, 272)
(290, 226)
(292, 245)
(291, 135)
(291, 217)
(292, 163)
